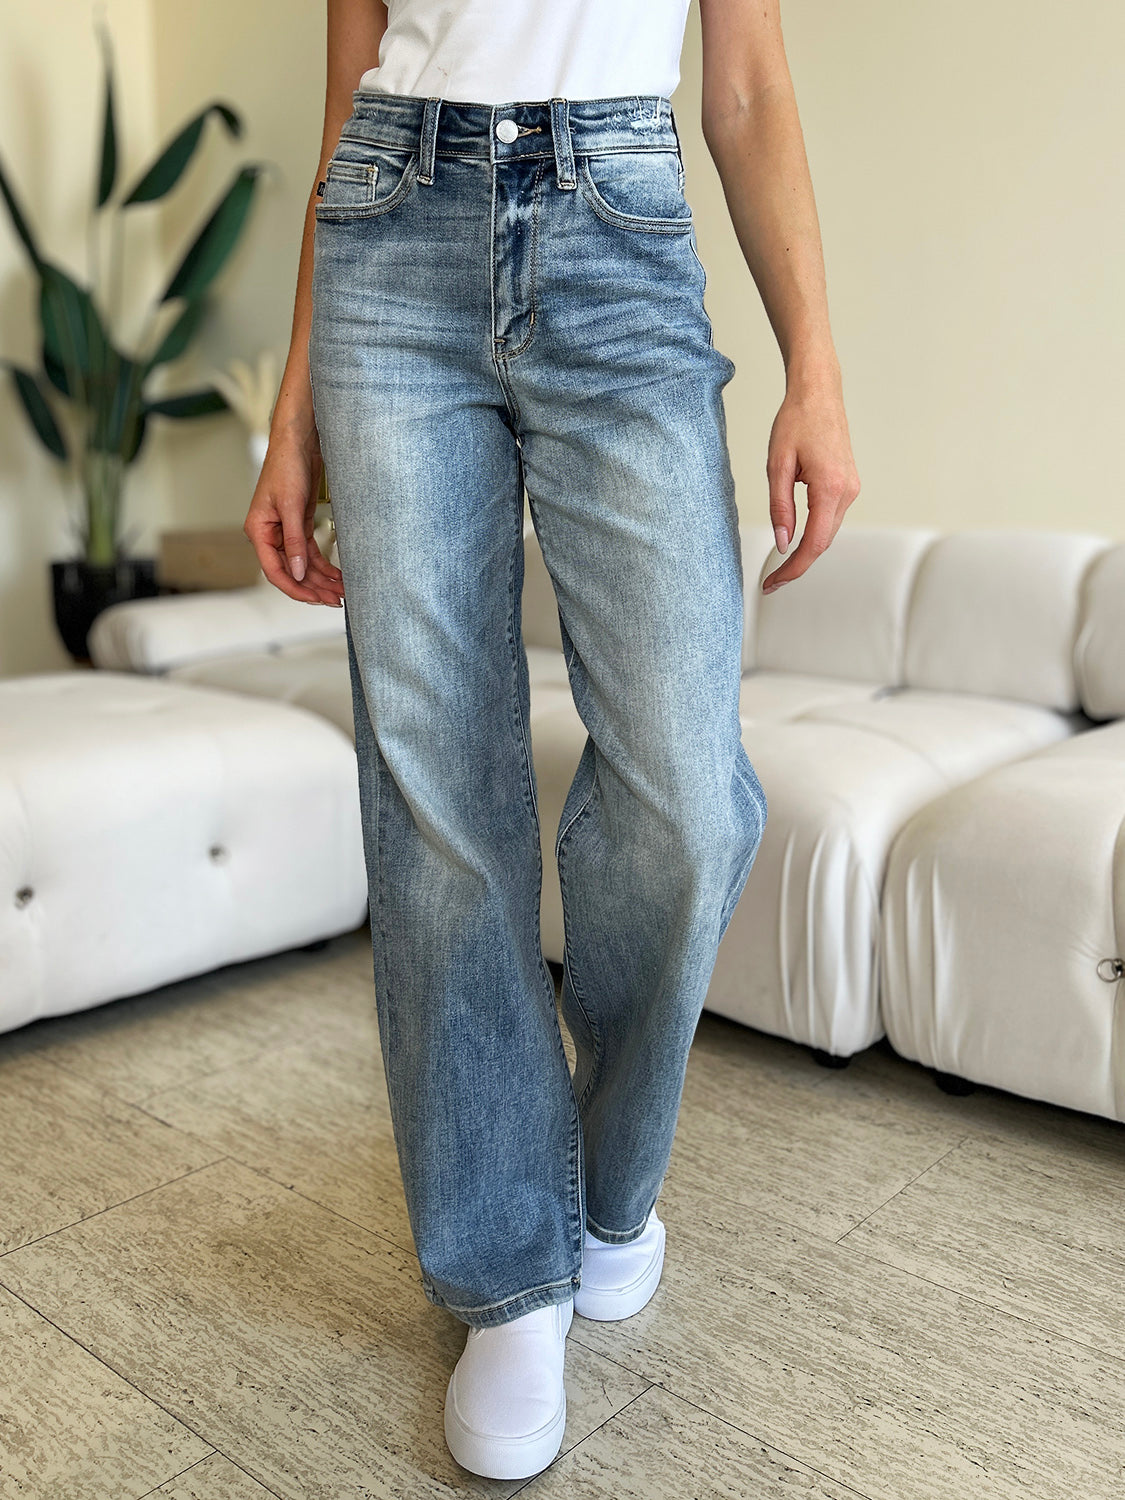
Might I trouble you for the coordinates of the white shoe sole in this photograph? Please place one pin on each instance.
(622, 1302)
(506, 1458)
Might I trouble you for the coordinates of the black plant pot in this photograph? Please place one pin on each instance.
(82, 591)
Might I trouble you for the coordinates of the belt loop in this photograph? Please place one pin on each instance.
(564, 146)
(427, 146)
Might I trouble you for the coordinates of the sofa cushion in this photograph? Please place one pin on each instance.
(996, 613)
(844, 617)
(759, 557)
(151, 830)
(787, 695)
(960, 735)
(1099, 653)
(312, 675)
(1004, 927)
(800, 957)
(152, 635)
(315, 675)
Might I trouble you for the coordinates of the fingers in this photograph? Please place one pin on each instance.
(781, 471)
(294, 542)
(275, 567)
(820, 528)
(830, 492)
(325, 579)
(318, 560)
(322, 583)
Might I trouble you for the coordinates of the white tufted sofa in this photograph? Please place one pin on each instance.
(150, 830)
(944, 856)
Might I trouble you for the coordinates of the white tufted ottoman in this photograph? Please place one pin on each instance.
(1003, 957)
(150, 830)
(1004, 928)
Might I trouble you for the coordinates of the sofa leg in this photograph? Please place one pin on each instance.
(950, 1083)
(828, 1059)
(317, 947)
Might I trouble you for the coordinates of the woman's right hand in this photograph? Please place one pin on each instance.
(282, 515)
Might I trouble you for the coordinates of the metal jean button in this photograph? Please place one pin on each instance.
(507, 130)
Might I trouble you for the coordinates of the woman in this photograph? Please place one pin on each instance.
(499, 289)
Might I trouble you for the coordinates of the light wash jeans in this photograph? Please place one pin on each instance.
(508, 296)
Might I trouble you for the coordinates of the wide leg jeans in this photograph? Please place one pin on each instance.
(509, 298)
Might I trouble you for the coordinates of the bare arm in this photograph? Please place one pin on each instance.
(282, 511)
(753, 133)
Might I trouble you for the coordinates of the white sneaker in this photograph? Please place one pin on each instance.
(617, 1280)
(505, 1408)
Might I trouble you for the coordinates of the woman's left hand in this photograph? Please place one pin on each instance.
(809, 444)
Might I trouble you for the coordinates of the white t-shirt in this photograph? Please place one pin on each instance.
(507, 51)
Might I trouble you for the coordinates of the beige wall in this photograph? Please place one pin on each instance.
(970, 179)
(50, 121)
(968, 171)
(266, 58)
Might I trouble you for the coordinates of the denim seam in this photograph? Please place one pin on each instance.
(620, 1236)
(534, 1292)
(497, 358)
(743, 872)
(531, 259)
(560, 855)
(530, 154)
(492, 276)
(636, 222)
(374, 208)
(380, 883)
(576, 1206)
(518, 720)
(703, 288)
(510, 400)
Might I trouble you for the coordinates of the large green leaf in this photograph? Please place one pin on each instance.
(216, 239)
(107, 168)
(131, 450)
(161, 177)
(19, 223)
(191, 404)
(39, 413)
(76, 348)
(117, 404)
(181, 333)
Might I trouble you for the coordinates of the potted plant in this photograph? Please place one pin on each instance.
(82, 360)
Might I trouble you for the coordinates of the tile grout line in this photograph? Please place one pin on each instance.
(254, 1480)
(725, 1421)
(303, 1043)
(757, 1438)
(195, 1078)
(316, 1203)
(145, 1395)
(565, 1453)
(109, 1208)
(1002, 1312)
(158, 1187)
(906, 1185)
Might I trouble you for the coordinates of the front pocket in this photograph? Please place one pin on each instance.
(349, 184)
(369, 180)
(640, 190)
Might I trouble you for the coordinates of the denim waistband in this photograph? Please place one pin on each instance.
(560, 127)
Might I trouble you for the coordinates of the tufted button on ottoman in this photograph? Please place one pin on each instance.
(152, 830)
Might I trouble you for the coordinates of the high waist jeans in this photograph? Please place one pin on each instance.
(509, 297)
